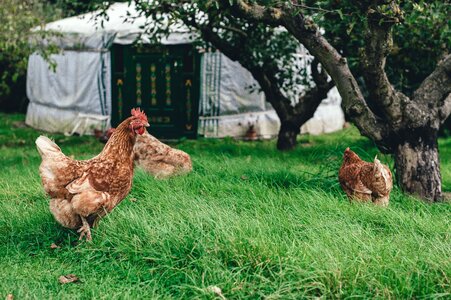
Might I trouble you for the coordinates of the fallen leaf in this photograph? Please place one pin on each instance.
(217, 291)
(244, 177)
(9, 297)
(68, 278)
(133, 199)
(54, 246)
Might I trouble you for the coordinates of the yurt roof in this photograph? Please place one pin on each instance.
(123, 22)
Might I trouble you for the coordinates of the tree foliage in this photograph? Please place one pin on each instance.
(419, 41)
(254, 44)
(18, 17)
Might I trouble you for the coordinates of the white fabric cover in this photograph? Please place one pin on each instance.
(235, 93)
(228, 107)
(328, 117)
(80, 84)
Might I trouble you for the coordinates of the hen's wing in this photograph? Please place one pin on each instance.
(349, 178)
(378, 177)
(87, 200)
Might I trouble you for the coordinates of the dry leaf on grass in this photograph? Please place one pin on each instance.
(9, 297)
(133, 199)
(217, 291)
(244, 177)
(68, 278)
(54, 246)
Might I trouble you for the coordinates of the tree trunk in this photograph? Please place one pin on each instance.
(418, 167)
(287, 135)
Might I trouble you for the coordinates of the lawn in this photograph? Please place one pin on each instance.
(250, 220)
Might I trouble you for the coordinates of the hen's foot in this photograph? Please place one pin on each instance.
(85, 230)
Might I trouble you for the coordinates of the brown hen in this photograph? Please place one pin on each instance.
(363, 181)
(84, 191)
(159, 159)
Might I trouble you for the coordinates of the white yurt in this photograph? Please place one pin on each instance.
(103, 70)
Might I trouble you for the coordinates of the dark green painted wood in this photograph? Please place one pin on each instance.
(169, 120)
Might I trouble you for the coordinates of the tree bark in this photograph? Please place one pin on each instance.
(418, 166)
(288, 133)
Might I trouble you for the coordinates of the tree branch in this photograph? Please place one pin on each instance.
(307, 33)
(436, 88)
(320, 78)
(309, 102)
(269, 15)
(353, 101)
(267, 76)
(378, 43)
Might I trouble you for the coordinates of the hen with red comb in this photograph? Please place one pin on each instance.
(82, 192)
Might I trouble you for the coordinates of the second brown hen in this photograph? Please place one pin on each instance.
(159, 159)
(364, 181)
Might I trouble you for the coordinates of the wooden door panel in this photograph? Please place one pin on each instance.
(155, 78)
(163, 81)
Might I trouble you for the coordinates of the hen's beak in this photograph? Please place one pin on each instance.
(146, 125)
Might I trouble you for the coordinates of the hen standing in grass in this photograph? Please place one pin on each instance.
(84, 191)
(363, 181)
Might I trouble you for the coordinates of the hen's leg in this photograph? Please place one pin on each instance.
(85, 230)
(88, 203)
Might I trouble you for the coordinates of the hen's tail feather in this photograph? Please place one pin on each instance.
(46, 146)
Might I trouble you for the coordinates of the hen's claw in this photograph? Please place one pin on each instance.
(85, 230)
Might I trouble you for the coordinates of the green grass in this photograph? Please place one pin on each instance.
(250, 220)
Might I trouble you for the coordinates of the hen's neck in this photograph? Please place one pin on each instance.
(121, 142)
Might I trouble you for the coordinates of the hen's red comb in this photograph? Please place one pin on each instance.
(136, 112)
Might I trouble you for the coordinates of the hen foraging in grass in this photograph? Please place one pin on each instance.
(363, 181)
(84, 191)
(159, 159)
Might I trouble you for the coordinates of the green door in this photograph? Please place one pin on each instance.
(163, 82)
(157, 87)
